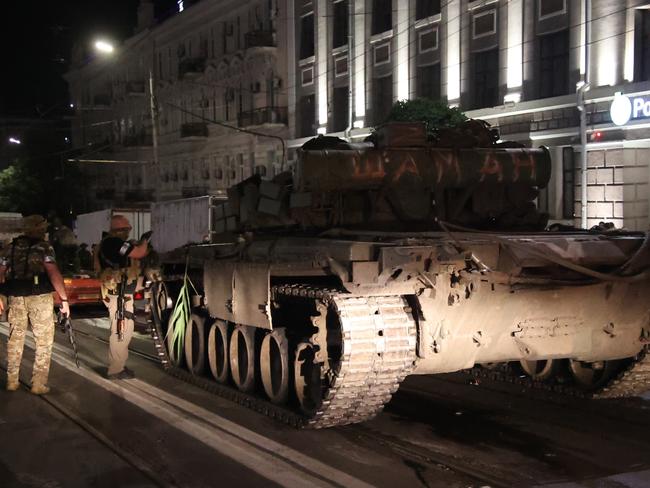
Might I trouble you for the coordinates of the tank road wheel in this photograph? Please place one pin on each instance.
(307, 378)
(161, 298)
(218, 351)
(243, 357)
(591, 376)
(195, 345)
(541, 370)
(274, 366)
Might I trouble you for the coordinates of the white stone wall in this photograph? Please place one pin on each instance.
(617, 188)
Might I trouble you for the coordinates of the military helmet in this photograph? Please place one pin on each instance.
(35, 225)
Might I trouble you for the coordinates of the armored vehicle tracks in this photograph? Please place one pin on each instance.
(340, 369)
(629, 380)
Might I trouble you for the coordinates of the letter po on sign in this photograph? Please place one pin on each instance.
(625, 108)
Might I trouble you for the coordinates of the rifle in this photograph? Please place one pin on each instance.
(65, 324)
(120, 313)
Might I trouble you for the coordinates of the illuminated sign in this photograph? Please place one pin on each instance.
(623, 108)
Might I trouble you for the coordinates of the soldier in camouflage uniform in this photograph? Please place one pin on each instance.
(28, 268)
(118, 259)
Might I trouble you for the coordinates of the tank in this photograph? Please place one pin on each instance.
(314, 294)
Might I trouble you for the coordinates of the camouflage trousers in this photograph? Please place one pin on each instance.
(118, 351)
(37, 309)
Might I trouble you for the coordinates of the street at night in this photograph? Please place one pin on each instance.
(437, 431)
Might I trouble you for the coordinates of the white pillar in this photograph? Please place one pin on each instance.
(401, 39)
(628, 67)
(321, 64)
(453, 52)
(358, 63)
(291, 67)
(514, 67)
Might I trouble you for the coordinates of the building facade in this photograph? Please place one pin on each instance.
(297, 68)
(209, 79)
(522, 65)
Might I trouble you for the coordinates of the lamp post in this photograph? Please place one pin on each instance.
(106, 48)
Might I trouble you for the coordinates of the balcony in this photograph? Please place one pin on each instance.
(259, 38)
(191, 67)
(142, 195)
(102, 100)
(135, 88)
(266, 115)
(194, 129)
(105, 193)
(139, 139)
(194, 191)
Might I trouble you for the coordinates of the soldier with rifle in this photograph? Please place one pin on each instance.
(28, 266)
(118, 260)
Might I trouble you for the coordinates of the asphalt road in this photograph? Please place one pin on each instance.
(437, 431)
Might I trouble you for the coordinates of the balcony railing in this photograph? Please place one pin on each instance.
(259, 38)
(191, 66)
(141, 139)
(135, 88)
(141, 195)
(266, 115)
(194, 129)
(105, 193)
(194, 191)
(102, 99)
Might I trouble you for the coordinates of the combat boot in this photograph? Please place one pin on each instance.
(12, 385)
(40, 389)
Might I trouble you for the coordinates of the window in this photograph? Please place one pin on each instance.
(642, 45)
(426, 8)
(554, 64)
(340, 101)
(428, 82)
(551, 8)
(484, 24)
(307, 76)
(382, 16)
(381, 54)
(340, 25)
(341, 66)
(485, 71)
(427, 40)
(568, 182)
(382, 98)
(307, 36)
(307, 116)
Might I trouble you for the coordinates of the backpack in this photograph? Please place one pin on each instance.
(27, 275)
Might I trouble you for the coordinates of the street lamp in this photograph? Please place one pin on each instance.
(13, 140)
(104, 47)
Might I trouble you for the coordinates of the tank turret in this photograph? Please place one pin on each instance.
(398, 180)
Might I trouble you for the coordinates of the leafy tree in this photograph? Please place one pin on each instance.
(38, 181)
(434, 113)
(20, 191)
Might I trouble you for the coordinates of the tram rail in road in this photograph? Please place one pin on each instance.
(290, 466)
(272, 460)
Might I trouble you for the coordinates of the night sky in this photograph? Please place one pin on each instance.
(37, 36)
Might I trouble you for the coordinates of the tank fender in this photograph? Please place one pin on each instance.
(239, 292)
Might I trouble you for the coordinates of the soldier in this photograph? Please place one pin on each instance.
(118, 260)
(28, 266)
